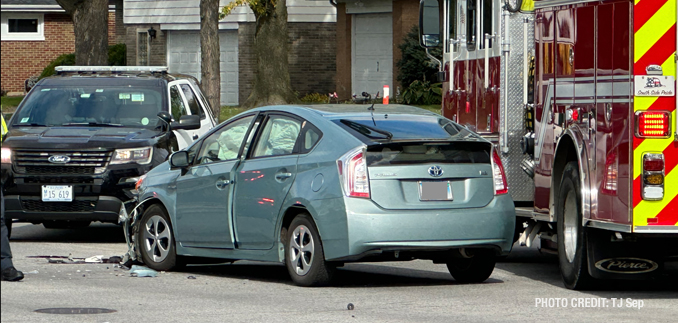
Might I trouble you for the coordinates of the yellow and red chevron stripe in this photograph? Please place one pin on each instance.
(654, 24)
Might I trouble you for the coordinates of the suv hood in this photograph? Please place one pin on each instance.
(84, 137)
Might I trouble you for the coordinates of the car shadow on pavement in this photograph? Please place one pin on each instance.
(540, 266)
(95, 233)
(350, 276)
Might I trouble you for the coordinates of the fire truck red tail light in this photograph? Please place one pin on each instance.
(653, 176)
(653, 124)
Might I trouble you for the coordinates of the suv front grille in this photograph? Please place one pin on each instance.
(37, 205)
(79, 162)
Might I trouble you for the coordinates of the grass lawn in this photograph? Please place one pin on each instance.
(433, 108)
(10, 102)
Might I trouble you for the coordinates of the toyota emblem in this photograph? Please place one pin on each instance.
(435, 171)
(59, 159)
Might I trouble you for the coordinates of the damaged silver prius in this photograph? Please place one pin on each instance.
(316, 187)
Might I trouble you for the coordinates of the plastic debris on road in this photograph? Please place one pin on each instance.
(95, 259)
(142, 271)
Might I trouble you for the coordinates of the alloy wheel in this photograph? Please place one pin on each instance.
(157, 238)
(301, 249)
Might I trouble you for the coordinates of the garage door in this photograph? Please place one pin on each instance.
(184, 49)
(372, 53)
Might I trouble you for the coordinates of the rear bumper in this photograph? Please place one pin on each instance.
(31, 209)
(372, 229)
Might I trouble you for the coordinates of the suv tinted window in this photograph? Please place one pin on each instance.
(177, 103)
(192, 101)
(63, 103)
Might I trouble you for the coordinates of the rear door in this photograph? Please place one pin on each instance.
(178, 108)
(263, 180)
(204, 193)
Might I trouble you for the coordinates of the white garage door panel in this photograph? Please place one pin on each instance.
(184, 49)
(372, 53)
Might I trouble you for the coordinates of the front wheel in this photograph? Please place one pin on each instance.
(155, 240)
(304, 257)
(475, 269)
(571, 235)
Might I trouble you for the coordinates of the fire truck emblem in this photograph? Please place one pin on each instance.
(627, 265)
(653, 82)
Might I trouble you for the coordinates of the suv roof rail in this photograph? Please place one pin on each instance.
(110, 69)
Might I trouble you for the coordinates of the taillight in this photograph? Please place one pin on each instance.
(653, 124)
(500, 185)
(653, 177)
(353, 170)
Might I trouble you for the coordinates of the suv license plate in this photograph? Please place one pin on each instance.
(57, 193)
(435, 191)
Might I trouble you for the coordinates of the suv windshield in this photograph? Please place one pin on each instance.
(92, 102)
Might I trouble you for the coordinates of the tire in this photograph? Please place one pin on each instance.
(154, 239)
(65, 224)
(571, 234)
(476, 269)
(304, 256)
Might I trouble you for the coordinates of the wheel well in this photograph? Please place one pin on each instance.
(566, 153)
(289, 215)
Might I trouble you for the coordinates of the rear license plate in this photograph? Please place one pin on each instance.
(57, 193)
(435, 191)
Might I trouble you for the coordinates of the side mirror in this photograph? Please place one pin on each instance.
(179, 159)
(429, 23)
(187, 122)
(165, 116)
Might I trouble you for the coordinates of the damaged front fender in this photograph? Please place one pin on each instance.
(128, 221)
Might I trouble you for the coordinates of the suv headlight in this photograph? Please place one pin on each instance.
(6, 156)
(140, 156)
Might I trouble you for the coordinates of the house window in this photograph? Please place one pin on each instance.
(22, 26)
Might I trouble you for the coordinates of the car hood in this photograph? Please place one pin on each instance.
(83, 137)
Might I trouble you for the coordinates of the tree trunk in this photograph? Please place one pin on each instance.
(272, 78)
(210, 77)
(90, 26)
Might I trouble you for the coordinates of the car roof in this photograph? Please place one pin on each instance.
(338, 111)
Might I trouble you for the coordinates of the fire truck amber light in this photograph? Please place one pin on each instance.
(653, 124)
(654, 179)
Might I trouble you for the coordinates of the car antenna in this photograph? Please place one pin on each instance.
(372, 113)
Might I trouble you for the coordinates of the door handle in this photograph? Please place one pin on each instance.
(222, 183)
(283, 176)
(195, 136)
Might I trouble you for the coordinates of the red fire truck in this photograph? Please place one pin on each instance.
(580, 98)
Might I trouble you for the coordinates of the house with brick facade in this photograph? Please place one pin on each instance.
(368, 35)
(35, 32)
(176, 24)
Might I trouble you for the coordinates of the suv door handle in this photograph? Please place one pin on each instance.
(282, 176)
(195, 136)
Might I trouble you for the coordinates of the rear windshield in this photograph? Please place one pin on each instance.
(92, 102)
(419, 153)
(402, 127)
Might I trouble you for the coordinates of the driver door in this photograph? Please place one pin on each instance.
(203, 203)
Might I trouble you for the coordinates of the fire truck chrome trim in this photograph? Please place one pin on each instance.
(609, 226)
(575, 133)
(657, 229)
(552, 3)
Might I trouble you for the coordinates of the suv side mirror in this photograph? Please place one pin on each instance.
(179, 159)
(429, 23)
(165, 116)
(187, 122)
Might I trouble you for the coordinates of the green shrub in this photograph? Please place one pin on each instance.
(64, 59)
(315, 98)
(117, 56)
(422, 92)
(414, 64)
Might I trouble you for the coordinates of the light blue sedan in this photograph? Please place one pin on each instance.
(316, 187)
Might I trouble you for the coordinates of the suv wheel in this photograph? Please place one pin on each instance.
(304, 255)
(155, 239)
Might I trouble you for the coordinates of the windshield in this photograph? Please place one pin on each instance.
(67, 104)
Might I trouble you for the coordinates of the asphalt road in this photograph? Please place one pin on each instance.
(416, 291)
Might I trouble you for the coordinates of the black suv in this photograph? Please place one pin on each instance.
(79, 141)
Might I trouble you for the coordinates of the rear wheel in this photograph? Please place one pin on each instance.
(475, 269)
(155, 239)
(571, 234)
(304, 257)
(65, 224)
